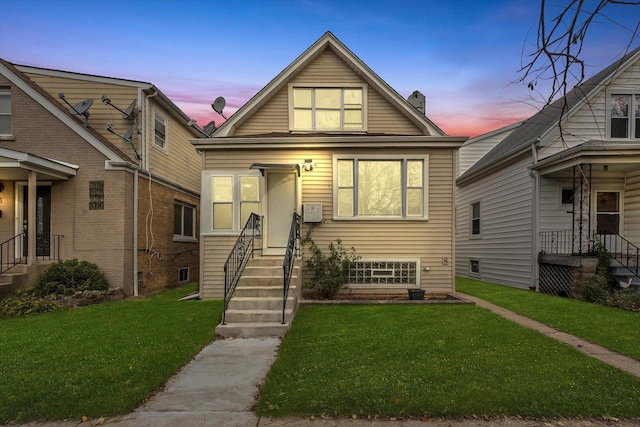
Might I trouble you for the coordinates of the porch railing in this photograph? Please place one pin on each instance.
(8, 250)
(621, 249)
(293, 249)
(239, 256)
(11, 250)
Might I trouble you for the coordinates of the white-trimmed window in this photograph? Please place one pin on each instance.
(327, 108)
(184, 221)
(474, 220)
(624, 115)
(183, 274)
(474, 266)
(5, 112)
(160, 131)
(380, 187)
(234, 197)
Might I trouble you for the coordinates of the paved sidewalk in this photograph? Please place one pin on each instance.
(218, 388)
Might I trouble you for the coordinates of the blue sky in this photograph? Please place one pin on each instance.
(463, 55)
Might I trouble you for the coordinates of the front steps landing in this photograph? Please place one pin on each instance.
(255, 309)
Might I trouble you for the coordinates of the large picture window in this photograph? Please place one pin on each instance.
(624, 116)
(235, 197)
(327, 108)
(380, 188)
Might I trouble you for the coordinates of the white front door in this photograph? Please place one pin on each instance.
(281, 203)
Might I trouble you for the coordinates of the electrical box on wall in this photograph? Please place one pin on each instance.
(312, 212)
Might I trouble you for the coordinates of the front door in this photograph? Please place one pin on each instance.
(608, 219)
(42, 227)
(281, 203)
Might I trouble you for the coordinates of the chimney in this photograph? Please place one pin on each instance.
(417, 100)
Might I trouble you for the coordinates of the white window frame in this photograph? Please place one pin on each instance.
(206, 201)
(341, 129)
(631, 126)
(477, 235)
(404, 217)
(182, 237)
(7, 92)
(390, 285)
(471, 272)
(165, 147)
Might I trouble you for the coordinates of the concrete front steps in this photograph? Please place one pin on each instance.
(255, 309)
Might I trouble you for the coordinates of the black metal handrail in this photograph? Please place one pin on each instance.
(239, 256)
(8, 250)
(620, 249)
(293, 249)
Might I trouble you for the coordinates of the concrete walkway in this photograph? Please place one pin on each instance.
(219, 387)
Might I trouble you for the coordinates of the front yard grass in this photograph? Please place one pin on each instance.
(99, 360)
(435, 360)
(613, 328)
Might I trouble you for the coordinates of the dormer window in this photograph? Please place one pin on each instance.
(624, 116)
(327, 108)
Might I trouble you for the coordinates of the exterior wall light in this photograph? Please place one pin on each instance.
(308, 165)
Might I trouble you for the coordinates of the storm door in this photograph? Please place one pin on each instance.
(42, 227)
(281, 203)
(608, 219)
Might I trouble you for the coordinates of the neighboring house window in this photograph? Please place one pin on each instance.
(475, 219)
(5, 112)
(566, 197)
(474, 266)
(391, 188)
(234, 197)
(184, 220)
(96, 195)
(160, 132)
(327, 108)
(183, 274)
(624, 116)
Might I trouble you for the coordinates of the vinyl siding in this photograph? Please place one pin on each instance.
(505, 246)
(429, 241)
(327, 68)
(472, 151)
(632, 207)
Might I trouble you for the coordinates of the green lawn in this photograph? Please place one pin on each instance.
(99, 360)
(435, 360)
(616, 329)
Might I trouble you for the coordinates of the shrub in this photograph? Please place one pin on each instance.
(626, 299)
(597, 290)
(331, 272)
(24, 304)
(67, 277)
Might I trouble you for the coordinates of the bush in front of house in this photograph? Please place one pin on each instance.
(331, 271)
(25, 303)
(68, 277)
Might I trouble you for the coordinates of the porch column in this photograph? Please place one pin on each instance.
(31, 218)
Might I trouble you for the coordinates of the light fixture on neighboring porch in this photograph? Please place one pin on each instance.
(308, 165)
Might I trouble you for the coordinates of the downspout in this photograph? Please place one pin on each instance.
(135, 233)
(535, 202)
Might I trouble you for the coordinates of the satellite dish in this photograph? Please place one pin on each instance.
(82, 108)
(127, 136)
(130, 112)
(218, 105)
(417, 100)
(209, 128)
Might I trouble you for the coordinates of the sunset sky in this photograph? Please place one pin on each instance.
(464, 56)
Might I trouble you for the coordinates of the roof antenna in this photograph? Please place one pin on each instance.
(208, 129)
(79, 109)
(127, 137)
(218, 106)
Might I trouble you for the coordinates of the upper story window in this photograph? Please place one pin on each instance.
(234, 197)
(327, 108)
(380, 188)
(184, 221)
(5, 112)
(475, 219)
(624, 116)
(160, 132)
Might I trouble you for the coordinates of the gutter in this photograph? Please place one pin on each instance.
(535, 226)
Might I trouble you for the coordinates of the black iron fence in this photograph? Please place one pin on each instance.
(13, 251)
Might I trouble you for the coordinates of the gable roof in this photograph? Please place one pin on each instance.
(144, 86)
(327, 41)
(545, 120)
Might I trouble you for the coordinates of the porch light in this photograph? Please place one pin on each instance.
(308, 165)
